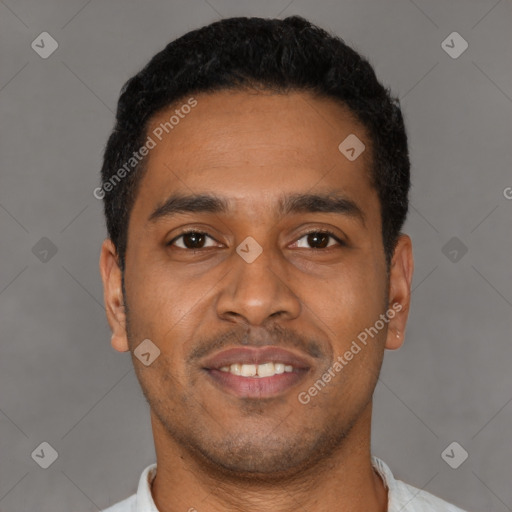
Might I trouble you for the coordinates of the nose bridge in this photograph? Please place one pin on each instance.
(256, 286)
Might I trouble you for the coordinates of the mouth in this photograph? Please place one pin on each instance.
(262, 372)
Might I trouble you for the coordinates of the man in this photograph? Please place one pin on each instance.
(255, 186)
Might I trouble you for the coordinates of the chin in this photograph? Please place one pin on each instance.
(245, 456)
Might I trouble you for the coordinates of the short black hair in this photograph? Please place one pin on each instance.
(278, 55)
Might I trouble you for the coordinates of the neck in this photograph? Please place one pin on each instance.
(345, 481)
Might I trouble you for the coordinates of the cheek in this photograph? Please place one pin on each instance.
(351, 299)
(159, 297)
(168, 308)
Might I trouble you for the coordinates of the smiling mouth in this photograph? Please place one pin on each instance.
(268, 369)
(256, 372)
(256, 386)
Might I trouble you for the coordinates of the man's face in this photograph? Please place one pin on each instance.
(309, 294)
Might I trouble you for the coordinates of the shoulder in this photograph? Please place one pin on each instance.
(407, 498)
(142, 499)
(127, 505)
(417, 500)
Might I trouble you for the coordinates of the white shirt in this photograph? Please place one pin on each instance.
(402, 497)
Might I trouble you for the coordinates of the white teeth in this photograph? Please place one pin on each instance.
(236, 369)
(268, 369)
(248, 370)
(279, 368)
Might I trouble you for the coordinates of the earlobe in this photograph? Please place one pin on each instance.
(119, 343)
(395, 339)
(111, 276)
(400, 279)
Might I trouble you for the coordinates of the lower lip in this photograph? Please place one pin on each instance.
(256, 387)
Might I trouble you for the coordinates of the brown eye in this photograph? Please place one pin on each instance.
(319, 240)
(191, 240)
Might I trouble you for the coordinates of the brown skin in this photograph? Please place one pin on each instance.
(216, 451)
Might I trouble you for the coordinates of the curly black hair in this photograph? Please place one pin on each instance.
(277, 55)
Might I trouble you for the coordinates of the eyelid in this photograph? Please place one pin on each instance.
(186, 232)
(313, 230)
(325, 232)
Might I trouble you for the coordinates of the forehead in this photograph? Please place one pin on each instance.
(252, 146)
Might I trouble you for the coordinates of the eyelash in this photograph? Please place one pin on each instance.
(315, 231)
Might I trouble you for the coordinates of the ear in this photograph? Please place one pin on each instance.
(400, 278)
(113, 295)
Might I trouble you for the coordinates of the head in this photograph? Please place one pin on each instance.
(233, 131)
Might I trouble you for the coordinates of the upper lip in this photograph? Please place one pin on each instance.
(255, 355)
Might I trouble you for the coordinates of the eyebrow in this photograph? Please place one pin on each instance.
(289, 204)
(321, 203)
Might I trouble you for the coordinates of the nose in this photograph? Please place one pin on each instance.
(254, 292)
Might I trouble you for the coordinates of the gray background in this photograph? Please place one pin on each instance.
(60, 380)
